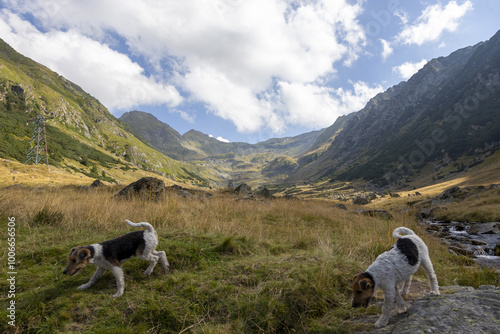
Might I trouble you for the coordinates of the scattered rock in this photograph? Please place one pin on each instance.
(485, 228)
(460, 250)
(243, 190)
(358, 200)
(457, 310)
(451, 193)
(375, 213)
(147, 187)
(428, 213)
(341, 206)
(425, 213)
(97, 184)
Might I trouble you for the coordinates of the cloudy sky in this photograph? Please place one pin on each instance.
(242, 70)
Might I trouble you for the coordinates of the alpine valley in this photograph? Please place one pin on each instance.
(442, 123)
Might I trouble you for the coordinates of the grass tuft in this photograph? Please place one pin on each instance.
(46, 216)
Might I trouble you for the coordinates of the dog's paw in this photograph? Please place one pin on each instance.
(118, 294)
(84, 286)
(434, 292)
(381, 323)
(403, 309)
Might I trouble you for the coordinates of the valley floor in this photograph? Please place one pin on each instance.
(255, 265)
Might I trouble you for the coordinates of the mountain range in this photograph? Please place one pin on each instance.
(447, 114)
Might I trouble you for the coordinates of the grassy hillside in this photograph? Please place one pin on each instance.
(82, 136)
(236, 266)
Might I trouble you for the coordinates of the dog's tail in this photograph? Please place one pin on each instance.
(146, 225)
(397, 232)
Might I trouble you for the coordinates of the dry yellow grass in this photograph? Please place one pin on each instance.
(16, 173)
(237, 265)
(317, 225)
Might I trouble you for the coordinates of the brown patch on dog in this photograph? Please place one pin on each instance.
(362, 288)
(78, 258)
(113, 261)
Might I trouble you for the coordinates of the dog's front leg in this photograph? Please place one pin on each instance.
(98, 273)
(386, 309)
(402, 306)
(163, 260)
(120, 282)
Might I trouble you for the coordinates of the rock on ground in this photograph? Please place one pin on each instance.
(458, 309)
(147, 187)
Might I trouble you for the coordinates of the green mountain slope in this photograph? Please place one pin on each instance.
(82, 136)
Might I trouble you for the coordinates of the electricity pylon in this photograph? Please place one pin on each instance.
(37, 151)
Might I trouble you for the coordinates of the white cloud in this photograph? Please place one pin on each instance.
(402, 15)
(434, 20)
(224, 140)
(315, 106)
(407, 69)
(387, 50)
(228, 54)
(109, 75)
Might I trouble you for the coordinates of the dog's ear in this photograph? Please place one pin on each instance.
(355, 277)
(365, 284)
(83, 254)
(72, 251)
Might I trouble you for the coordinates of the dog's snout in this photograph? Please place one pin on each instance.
(65, 272)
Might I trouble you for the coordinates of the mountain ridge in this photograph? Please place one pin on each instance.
(200, 145)
(375, 143)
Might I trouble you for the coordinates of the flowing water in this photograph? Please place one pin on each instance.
(480, 241)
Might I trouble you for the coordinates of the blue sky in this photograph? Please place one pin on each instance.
(242, 70)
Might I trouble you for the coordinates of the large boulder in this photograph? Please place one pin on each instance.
(147, 187)
(458, 309)
(243, 189)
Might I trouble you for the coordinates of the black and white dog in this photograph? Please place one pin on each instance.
(109, 255)
(391, 268)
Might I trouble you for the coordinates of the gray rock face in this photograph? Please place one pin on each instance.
(485, 228)
(458, 309)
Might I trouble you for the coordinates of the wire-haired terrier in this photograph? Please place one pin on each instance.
(391, 268)
(109, 255)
